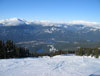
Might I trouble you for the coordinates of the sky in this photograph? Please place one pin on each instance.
(52, 10)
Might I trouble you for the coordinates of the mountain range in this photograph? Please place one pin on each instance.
(41, 34)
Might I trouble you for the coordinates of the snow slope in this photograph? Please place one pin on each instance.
(54, 66)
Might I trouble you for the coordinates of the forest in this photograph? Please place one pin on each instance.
(9, 50)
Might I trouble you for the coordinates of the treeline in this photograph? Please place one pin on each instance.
(88, 52)
(9, 50)
(51, 54)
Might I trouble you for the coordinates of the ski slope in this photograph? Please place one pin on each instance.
(54, 66)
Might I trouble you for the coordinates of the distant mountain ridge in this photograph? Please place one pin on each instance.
(46, 33)
(40, 29)
(17, 21)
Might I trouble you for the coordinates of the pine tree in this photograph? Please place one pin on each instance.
(81, 51)
(88, 51)
(10, 48)
(96, 53)
(1, 50)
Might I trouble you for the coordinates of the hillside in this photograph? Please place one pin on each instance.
(54, 66)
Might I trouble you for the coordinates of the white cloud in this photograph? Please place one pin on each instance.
(83, 22)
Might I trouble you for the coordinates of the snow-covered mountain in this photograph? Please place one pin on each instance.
(12, 22)
(17, 21)
(46, 33)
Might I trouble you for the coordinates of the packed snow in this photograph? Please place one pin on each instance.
(51, 66)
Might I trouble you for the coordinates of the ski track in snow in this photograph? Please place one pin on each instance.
(54, 66)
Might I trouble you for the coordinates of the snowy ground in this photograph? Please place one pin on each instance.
(55, 66)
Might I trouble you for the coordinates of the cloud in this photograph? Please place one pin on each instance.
(83, 22)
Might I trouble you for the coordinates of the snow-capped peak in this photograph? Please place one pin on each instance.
(12, 22)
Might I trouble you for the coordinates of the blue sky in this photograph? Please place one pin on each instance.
(53, 10)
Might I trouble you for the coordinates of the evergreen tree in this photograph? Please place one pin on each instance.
(1, 50)
(88, 51)
(9, 50)
(81, 51)
(96, 52)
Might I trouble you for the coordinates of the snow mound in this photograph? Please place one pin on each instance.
(54, 66)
